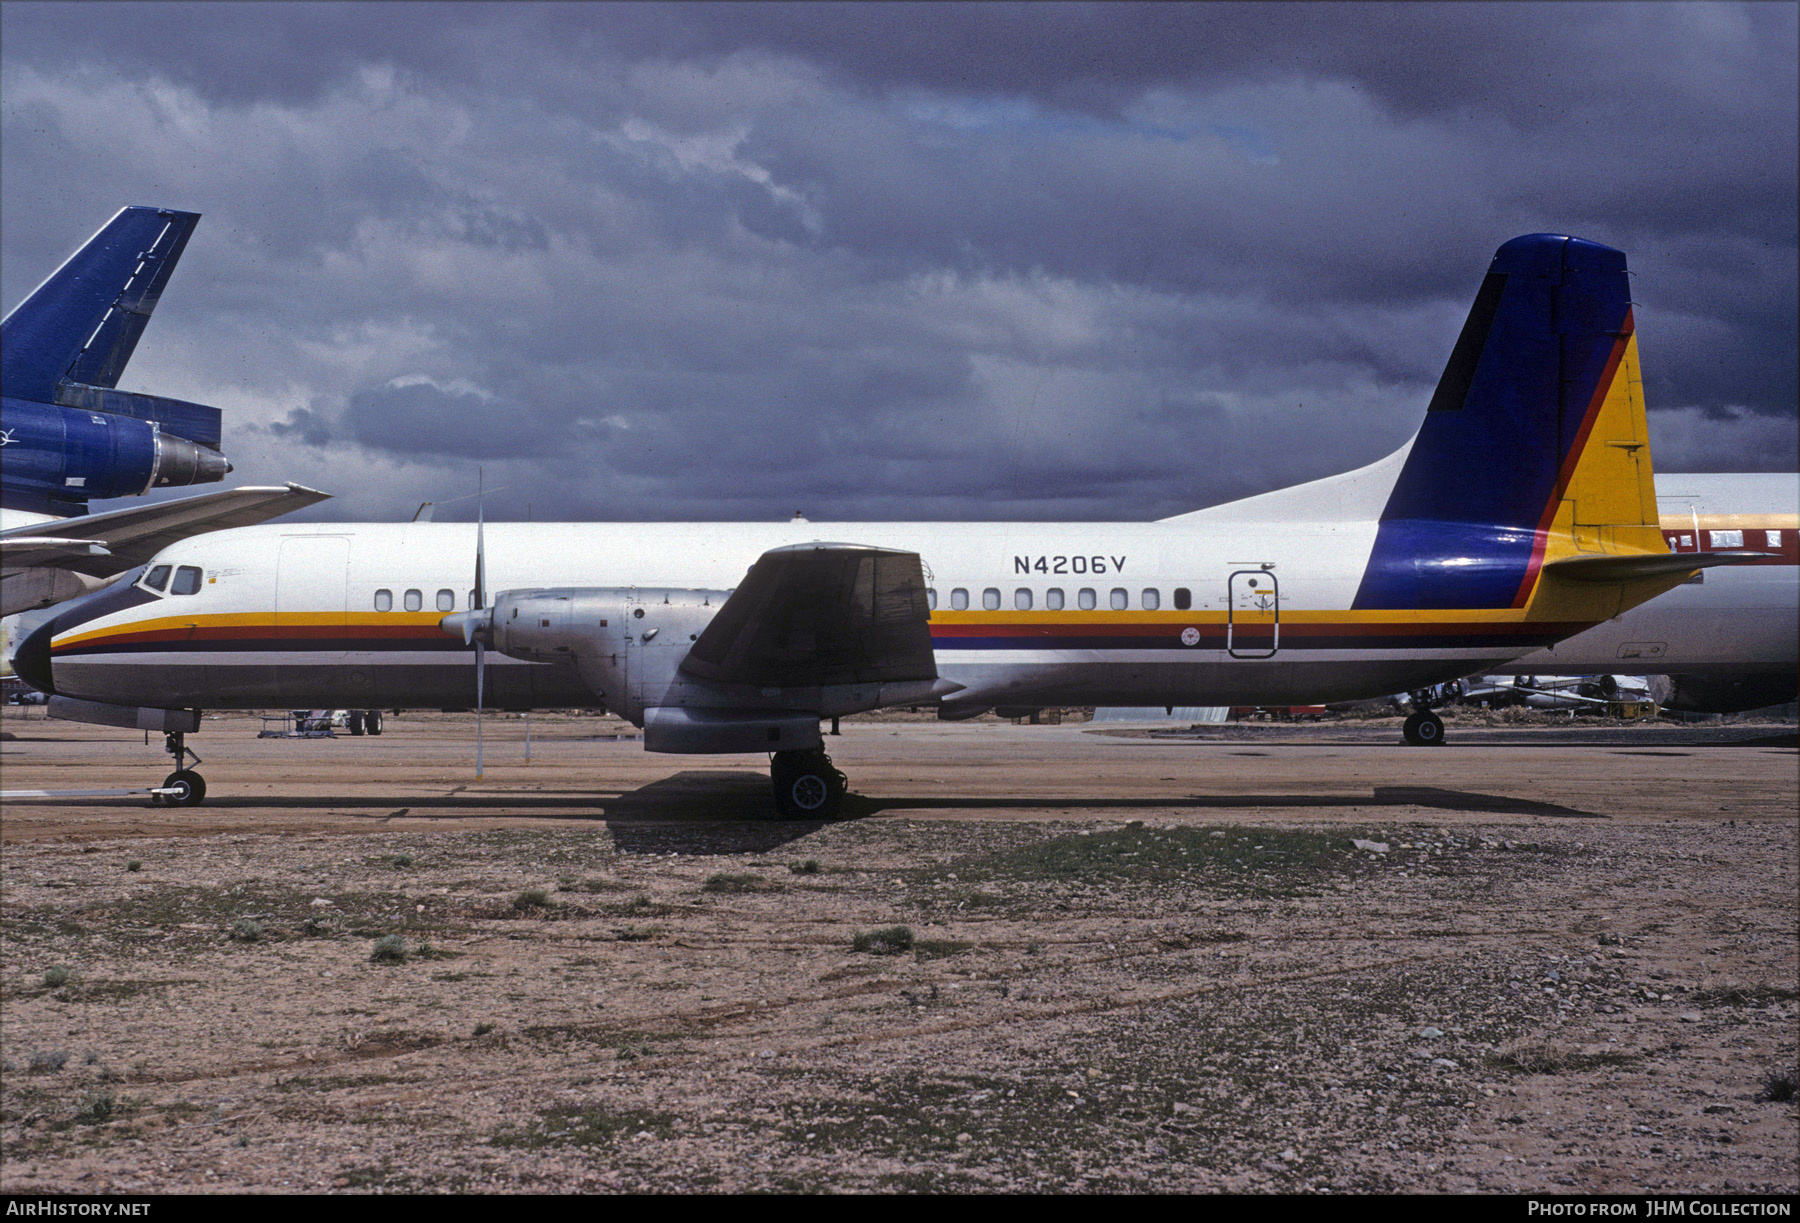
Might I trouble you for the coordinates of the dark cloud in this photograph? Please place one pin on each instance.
(663, 261)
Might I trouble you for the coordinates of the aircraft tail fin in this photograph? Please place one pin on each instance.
(1535, 444)
(81, 325)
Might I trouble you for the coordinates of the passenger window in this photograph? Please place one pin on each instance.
(1053, 598)
(1152, 599)
(1184, 598)
(959, 599)
(446, 600)
(414, 600)
(931, 597)
(1086, 598)
(990, 599)
(1120, 600)
(384, 600)
(187, 581)
(1022, 599)
(159, 577)
(1774, 538)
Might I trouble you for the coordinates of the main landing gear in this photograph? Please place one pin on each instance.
(807, 787)
(189, 788)
(1424, 728)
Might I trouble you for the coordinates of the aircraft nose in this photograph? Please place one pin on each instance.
(31, 661)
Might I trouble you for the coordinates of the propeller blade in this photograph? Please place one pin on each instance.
(480, 543)
(480, 604)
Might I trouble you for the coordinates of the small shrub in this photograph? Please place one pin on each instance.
(134, 865)
(482, 1029)
(808, 867)
(889, 940)
(389, 949)
(56, 977)
(96, 1109)
(244, 930)
(402, 861)
(1780, 1087)
(49, 1063)
(531, 898)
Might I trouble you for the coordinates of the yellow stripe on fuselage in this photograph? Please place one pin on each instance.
(258, 620)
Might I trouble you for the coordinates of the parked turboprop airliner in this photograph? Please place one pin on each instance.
(1522, 512)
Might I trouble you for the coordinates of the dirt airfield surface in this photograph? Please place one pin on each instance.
(1065, 958)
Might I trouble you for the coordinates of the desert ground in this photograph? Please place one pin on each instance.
(1068, 958)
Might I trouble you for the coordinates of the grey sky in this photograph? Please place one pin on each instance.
(942, 261)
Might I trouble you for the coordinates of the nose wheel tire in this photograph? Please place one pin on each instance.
(189, 787)
(1424, 730)
(806, 786)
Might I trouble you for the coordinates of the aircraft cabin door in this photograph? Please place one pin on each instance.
(1252, 614)
(312, 589)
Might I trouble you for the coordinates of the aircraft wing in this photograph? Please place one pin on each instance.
(26, 551)
(820, 614)
(101, 545)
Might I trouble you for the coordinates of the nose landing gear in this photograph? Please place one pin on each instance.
(188, 787)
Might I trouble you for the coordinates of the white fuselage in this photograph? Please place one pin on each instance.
(1246, 603)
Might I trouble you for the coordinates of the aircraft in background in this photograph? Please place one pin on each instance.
(1521, 513)
(68, 435)
(1727, 639)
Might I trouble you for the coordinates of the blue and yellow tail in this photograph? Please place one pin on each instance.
(1534, 448)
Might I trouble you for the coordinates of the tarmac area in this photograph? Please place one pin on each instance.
(1075, 958)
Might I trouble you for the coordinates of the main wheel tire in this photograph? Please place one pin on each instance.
(372, 721)
(353, 721)
(1424, 730)
(807, 788)
(191, 787)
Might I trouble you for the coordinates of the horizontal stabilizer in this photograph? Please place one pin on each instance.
(1644, 565)
(820, 614)
(21, 550)
(134, 535)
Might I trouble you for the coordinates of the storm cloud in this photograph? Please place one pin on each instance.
(1045, 261)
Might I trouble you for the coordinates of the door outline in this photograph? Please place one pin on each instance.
(1233, 589)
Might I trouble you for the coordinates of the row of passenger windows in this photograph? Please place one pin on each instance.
(1086, 598)
(1055, 599)
(414, 600)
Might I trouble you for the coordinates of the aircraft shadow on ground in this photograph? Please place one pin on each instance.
(713, 812)
(857, 806)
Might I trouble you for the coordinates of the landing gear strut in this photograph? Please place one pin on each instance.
(189, 786)
(807, 787)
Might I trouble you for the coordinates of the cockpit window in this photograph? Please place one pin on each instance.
(158, 577)
(187, 581)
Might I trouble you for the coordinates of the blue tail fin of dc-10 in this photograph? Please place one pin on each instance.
(71, 433)
(82, 324)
